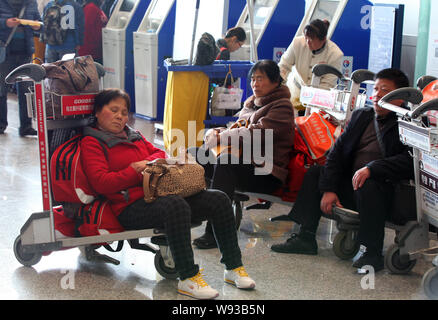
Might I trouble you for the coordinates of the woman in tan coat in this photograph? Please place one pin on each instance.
(265, 143)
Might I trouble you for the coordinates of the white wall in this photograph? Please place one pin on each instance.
(410, 33)
(412, 11)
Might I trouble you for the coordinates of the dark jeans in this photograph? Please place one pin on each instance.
(12, 61)
(372, 201)
(175, 214)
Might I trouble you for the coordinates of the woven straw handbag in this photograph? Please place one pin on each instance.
(161, 178)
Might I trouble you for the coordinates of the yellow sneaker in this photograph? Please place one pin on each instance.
(239, 277)
(196, 287)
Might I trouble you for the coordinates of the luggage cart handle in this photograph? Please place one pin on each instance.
(100, 69)
(427, 106)
(408, 94)
(321, 69)
(31, 70)
(423, 81)
(361, 75)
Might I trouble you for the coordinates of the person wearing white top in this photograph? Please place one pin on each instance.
(304, 53)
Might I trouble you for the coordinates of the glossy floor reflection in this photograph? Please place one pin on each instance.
(68, 275)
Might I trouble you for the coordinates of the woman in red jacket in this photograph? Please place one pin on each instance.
(114, 156)
(95, 21)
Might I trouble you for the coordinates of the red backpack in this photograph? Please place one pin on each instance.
(97, 218)
(70, 185)
(300, 162)
(69, 182)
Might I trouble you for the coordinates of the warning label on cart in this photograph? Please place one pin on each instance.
(428, 163)
(77, 104)
(414, 136)
(317, 97)
(429, 193)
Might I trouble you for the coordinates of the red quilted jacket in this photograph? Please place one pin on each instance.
(109, 171)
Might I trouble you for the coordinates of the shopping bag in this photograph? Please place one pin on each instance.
(318, 133)
(226, 97)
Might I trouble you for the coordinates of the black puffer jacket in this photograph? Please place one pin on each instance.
(395, 166)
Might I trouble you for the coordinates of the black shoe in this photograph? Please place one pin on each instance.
(2, 130)
(297, 244)
(283, 217)
(207, 241)
(370, 259)
(29, 131)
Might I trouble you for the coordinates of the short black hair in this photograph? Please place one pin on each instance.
(107, 95)
(270, 68)
(317, 29)
(238, 32)
(395, 75)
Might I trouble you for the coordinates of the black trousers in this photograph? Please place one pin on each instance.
(12, 61)
(372, 201)
(175, 214)
(229, 177)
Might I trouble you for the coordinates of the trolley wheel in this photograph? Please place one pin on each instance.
(430, 283)
(345, 245)
(237, 209)
(163, 270)
(394, 263)
(26, 259)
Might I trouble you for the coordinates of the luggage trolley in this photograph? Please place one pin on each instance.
(339, 102)
(38, 235)
(422, 135)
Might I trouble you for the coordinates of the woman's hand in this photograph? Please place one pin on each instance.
(211, 138)
(139, 166)
(360, 177)
(12, 22)
(328, 200)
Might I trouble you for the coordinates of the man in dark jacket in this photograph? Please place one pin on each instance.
(359, 174)
(18, 52)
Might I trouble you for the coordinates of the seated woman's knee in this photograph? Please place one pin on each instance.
(176, 205)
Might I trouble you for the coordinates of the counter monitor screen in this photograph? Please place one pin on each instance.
(127, 5)
(325, 10)
(160, 9)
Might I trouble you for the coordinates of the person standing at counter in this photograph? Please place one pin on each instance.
(234, 39)
(305, 52)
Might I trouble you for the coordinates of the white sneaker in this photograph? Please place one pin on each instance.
(196, 287)
(239, 277)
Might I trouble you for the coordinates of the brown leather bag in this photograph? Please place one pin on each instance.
(161, 178)
(74, 76)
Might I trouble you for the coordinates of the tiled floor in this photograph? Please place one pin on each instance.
(68, 275)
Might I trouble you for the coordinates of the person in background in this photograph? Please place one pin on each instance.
(268, 109)
(363, 166)
(114, 168)
(95, 21)
(18, 52)
(304, 53)
(234, 39)
(75, 34)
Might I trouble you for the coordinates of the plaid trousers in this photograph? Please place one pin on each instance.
(174, 214)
